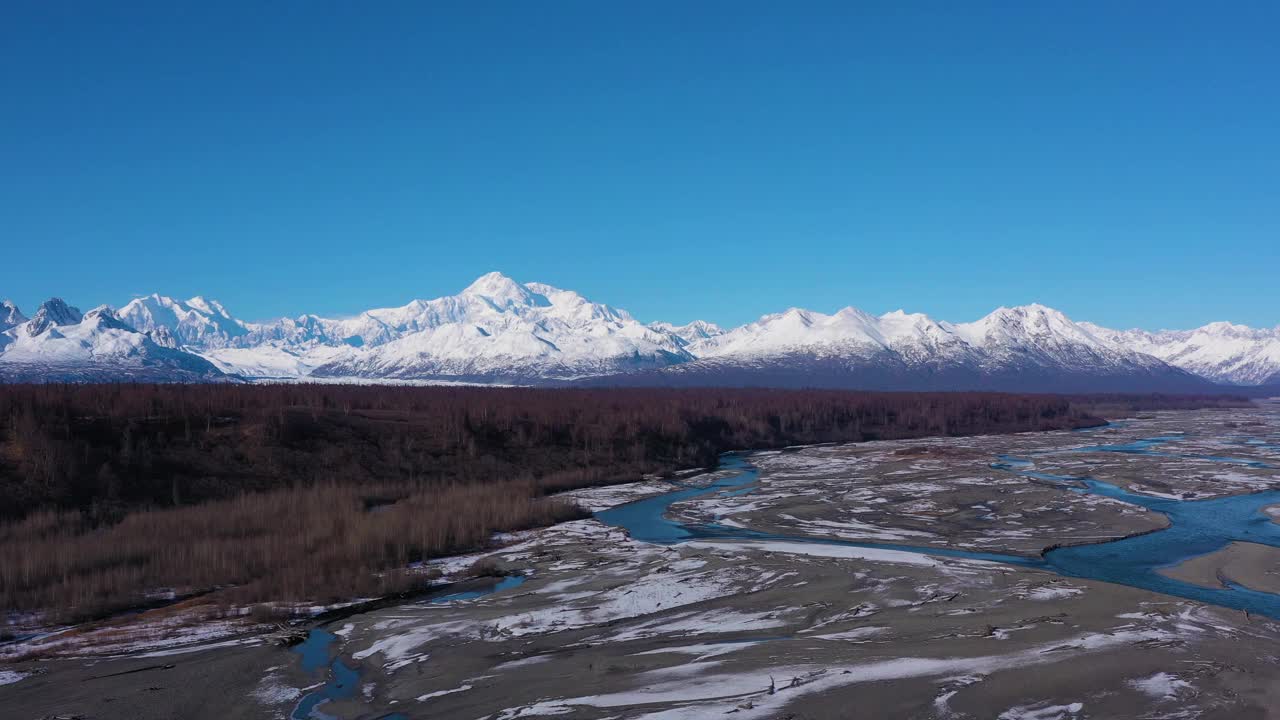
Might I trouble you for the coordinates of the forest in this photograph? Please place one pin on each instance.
(323, 492)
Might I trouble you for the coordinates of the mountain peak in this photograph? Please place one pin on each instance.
(1028, 316)
(853, 313)
(10, 315)
(794, 314)
(104, 316)
(502, 291)
(1223, 327)
(1028, 310)
(491, 282)
(707, 329)
(54, 311)
(690, 333)
(196, 322)
(900, 326)
(210, 307)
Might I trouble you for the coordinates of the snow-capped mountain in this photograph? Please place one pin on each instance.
(689, 334)
(501, 330)
(1038, 336)
(197, 322)
(849, 333)
(10, 315)
(60, 343)
(1220, 351)
(1022, 348)
(495, 330)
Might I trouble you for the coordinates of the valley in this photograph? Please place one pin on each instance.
(922, 578)
(639, 361)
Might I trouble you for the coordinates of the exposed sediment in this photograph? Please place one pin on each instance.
(1253, 566)
(608, 626)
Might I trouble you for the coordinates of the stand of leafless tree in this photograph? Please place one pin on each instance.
(321, 492)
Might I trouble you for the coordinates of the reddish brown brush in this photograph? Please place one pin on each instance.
(306, 544)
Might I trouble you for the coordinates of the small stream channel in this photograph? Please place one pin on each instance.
(1196, 527)
(343, 681)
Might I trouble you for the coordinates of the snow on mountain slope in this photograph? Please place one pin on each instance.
(1041, 336)
(921, 340)
(53, 312)
(10, 315)
(690, 333)
(1220, 351)
(196, 322)
(59, 343)
(273, 360)
(896, 337)
(1008, 337)
(496, 328)
(848, 332)
(1030, 348)
(500, 330)
(284, 348)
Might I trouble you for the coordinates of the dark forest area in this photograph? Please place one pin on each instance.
(105, 449)
(270, 491)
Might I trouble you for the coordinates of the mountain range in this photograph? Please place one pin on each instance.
(498, 330)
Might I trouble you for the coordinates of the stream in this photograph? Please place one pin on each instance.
(1196, 527)
(341, 680)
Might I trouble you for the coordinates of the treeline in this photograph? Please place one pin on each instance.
(1115, 404)
(106, 449)
(315, 492)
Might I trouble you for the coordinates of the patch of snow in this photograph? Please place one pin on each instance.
(8, 677)
(439, 693)
(702, 651)
(1042, 712)
(900, 557)
(271, 691)
(1161, 686)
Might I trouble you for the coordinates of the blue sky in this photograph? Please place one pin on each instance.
(1119, 161)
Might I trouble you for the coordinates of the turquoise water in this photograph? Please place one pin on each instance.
(646, 520)
(1146, 447)
(1196, 527)
(343, 681)
(504, 584)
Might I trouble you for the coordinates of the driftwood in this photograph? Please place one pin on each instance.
(286, 636)
(130, 672)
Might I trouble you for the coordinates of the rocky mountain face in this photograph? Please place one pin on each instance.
(1220, 351)
(1031, 348)
(10, 315)
(197, 323)
(498, 330)
(59, 343)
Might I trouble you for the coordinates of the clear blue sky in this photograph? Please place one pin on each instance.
(1117, 160)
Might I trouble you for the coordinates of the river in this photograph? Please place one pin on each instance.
(1196, 527)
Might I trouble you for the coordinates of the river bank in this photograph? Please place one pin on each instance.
(608, 625)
